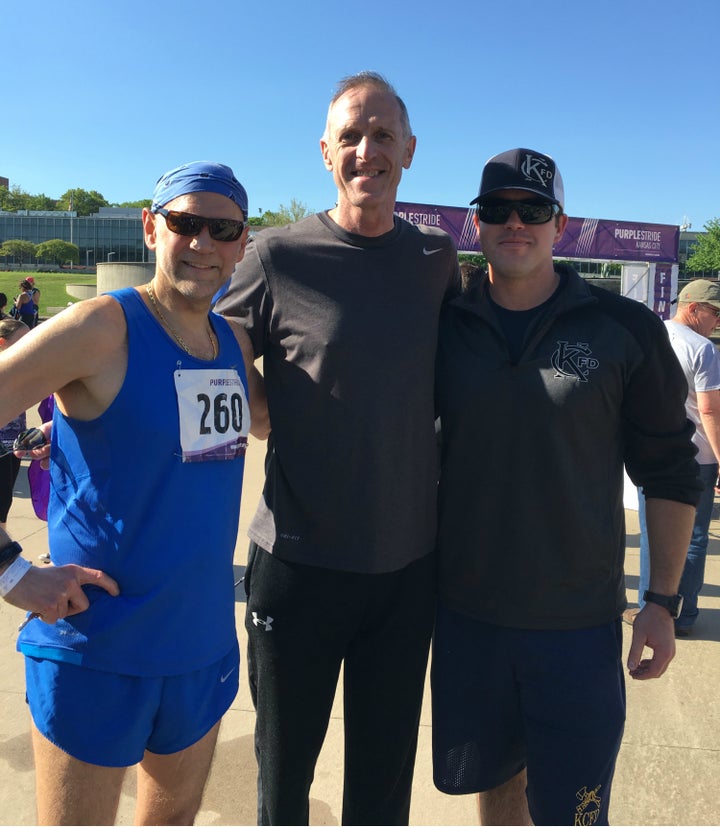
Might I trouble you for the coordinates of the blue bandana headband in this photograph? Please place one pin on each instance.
(200, 176)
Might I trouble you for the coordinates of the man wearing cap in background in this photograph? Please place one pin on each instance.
(696, 318)
(148, 442)
(546, 386)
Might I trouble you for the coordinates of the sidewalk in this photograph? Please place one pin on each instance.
(667, 771)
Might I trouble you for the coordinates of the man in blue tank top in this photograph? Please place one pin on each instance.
(153, 400)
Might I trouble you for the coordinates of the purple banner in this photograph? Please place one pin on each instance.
(618, 240)
(456, 221)
(585, 238)
(662, 290)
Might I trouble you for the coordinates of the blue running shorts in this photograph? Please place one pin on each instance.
(110, 720)
(550, 701)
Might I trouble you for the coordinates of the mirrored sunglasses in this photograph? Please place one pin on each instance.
(26, 440)
(185, 223)
(529, 212)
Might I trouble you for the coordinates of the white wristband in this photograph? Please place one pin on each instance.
(13, 574)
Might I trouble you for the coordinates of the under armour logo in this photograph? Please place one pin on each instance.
(573, 360)
(267, 623)
(536, 169)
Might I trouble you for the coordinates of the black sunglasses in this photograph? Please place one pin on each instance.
(529, 212)
(185, 223)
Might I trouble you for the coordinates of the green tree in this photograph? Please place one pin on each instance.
(18, 248)
(706, 252)
(296, 210)
(14, 199)
(478, 259)
(271, 219)
(82, 201)
(41, 202)
(145, 202)
(58, 251)
(285, 215)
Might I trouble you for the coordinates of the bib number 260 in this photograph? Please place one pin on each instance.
(221, 413)
(214, 414)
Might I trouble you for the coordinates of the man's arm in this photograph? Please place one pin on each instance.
(709, 409)
(247, 298)
(244, 306)
(669, 526)
(79, 354)
(259, 416)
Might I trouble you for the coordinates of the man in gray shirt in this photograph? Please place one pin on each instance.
(689, 330)
(343, 307)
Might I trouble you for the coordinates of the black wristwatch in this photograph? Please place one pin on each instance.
(672, 603)
(9, 552)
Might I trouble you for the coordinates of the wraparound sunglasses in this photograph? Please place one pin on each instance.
(185, 223)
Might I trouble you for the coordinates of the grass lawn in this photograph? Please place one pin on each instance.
(50, 285)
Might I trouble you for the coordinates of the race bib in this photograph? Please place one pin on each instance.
(214, 414)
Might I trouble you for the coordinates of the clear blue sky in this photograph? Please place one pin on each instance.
(625, 95)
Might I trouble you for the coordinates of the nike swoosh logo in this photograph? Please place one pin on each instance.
(223, 678)
(427, 252)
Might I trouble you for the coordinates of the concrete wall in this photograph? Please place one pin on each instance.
(114, 275)
(81, 291)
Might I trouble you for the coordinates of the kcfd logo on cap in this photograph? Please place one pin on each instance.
(536, 169)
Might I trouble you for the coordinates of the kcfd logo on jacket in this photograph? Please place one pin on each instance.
(574, 360)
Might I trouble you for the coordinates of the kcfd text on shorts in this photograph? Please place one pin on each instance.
(552, 701)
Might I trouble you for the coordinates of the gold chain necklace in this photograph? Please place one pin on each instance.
(178, 338)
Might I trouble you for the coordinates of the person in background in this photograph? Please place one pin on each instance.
(24, 304)
(698, 309)
(35, 292)
(470, 274)
(141, 670)
(3, 306)
(544, 378)
(11, 331)
(39, 468)
(343, 307)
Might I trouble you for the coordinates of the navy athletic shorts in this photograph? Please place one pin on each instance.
(550, 701)
(110, 720)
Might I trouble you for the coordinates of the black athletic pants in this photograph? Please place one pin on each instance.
(9, 469)
(303, 622)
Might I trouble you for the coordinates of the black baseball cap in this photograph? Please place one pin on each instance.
(522, 169)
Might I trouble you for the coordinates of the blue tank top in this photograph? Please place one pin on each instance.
(28, 311)
(132, 497)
